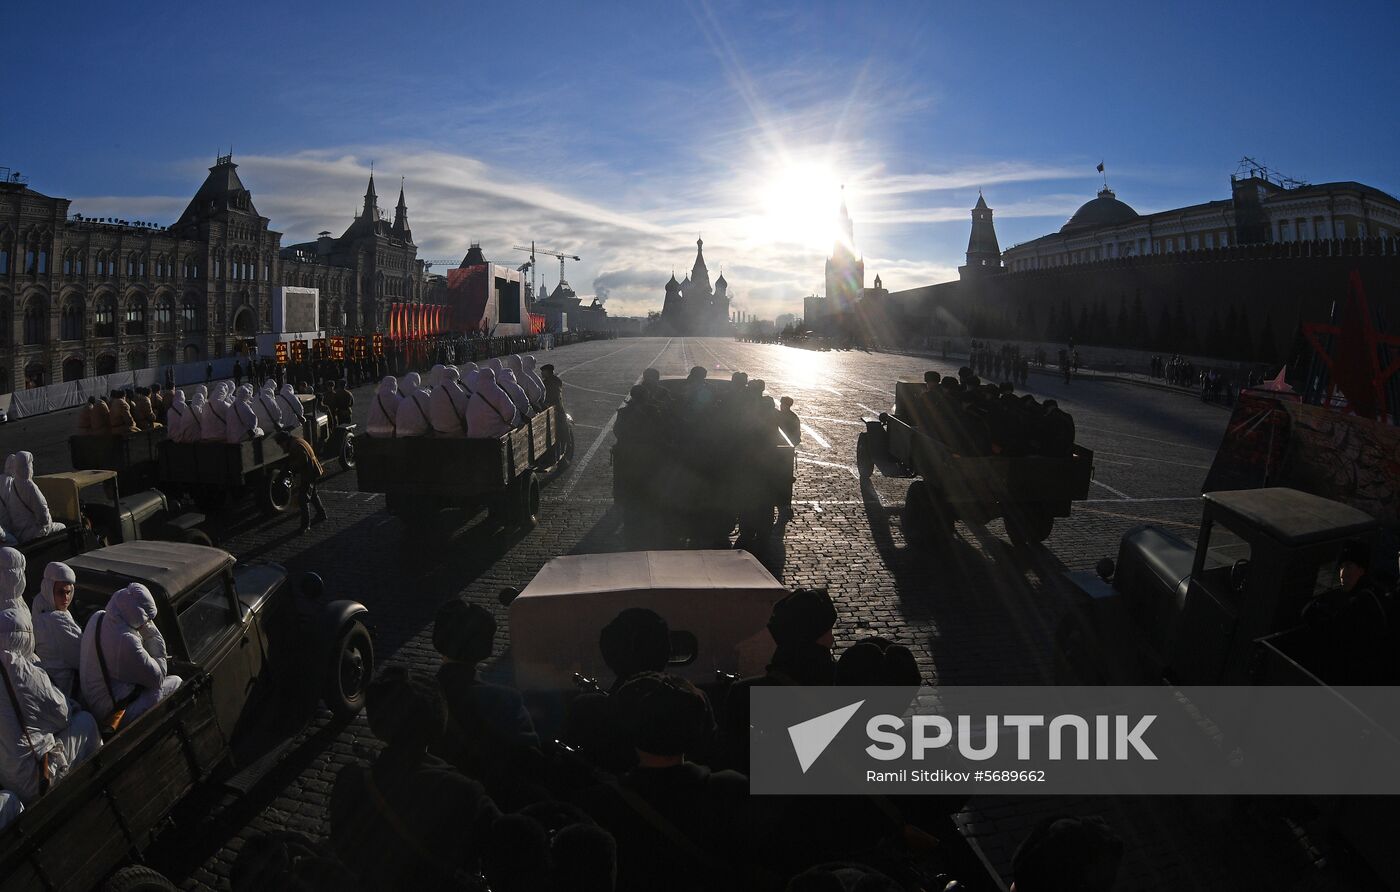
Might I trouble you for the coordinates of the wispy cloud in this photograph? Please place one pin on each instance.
(631, 240)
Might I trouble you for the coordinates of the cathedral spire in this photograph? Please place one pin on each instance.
(699, 274)
(371, 210)
(401, 217)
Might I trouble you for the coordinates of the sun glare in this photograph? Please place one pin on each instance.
(798, 205)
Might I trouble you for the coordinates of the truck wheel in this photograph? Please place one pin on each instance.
(196, 537)
(1028, 525)
(275, 494)
(865, 455)
(347, 451)
(136, 878)
(525, 501)
(350, 671)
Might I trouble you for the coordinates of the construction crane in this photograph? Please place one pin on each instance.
(532, 251)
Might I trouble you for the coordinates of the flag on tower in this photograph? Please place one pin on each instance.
(1100, 168)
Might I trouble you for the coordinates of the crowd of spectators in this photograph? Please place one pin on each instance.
(643, 785)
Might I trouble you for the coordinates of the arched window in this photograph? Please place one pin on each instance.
(36, 321)
(193, 353)
(136, 359)
(192, 314)
(136, 315)
(70, 327)
(7, 246)
(72, 368)
(104, 320)
(34, 375)
(165, 315)
(107, 364)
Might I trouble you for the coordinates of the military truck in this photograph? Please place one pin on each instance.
(1029, 491)
(425, 478)
(1207, 613)
(1227, 611)
(212, 472)
(709, 481)
(248, 649)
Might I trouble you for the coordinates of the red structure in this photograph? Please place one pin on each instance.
(1354, 361)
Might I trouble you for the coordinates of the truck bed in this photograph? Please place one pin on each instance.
(456, 467)
(112, 805)
(984, 479)
(218, 464)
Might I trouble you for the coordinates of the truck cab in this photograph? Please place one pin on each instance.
(1196, 615)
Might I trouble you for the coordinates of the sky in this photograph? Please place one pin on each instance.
(621, 132)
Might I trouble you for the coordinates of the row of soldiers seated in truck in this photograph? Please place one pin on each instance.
(976, 419)
(482, 402)
(150, 408)
(126, 411)
(656, 415)
(67, 685)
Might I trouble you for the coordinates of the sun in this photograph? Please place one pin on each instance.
(797, 204)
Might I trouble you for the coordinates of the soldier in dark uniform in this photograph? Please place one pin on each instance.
(1348, 627)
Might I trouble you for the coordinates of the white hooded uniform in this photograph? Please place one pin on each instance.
(7, 483)
(47, 722)
(413, 415)
(383, 408)
(506, 381)
(490, 413)
(58, 639)
(10, 808)
(293, 412)
(29, 510)
(135, 653)
(266, 408)
(213, 420)
(12, 582)
(435, 376)
(242, 422)
(178, 418)
(531, 381)
(448, 406)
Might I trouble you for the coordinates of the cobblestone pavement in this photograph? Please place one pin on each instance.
(976, 613)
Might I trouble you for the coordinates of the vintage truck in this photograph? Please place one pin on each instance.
(248, 649)
(1028, 491)
(1207, 614)
(94, 513)
(212, 472)
(1227, 611)
(430, 482)
(698, 488)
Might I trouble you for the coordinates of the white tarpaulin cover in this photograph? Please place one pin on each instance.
(723, 598)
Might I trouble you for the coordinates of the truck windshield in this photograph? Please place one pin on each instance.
(205, 614)
(1225, 547)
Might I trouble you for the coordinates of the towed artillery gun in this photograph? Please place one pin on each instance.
(707, 483)
(425, 478)
(250, 652)
(1029, 491)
